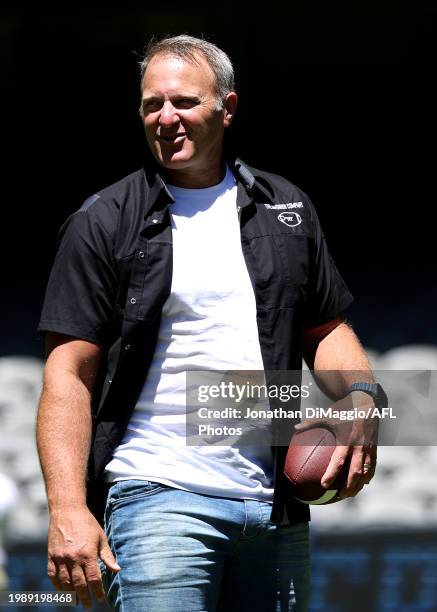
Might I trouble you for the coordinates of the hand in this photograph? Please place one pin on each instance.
(75, 541)
(358, 442)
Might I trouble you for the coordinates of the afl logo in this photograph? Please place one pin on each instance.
(290, 218)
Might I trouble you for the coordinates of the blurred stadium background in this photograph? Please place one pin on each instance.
(377, 551)
(339, 98)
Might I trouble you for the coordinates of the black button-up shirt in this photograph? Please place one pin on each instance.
(112, 275)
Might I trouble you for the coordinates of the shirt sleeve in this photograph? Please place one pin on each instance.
(80, 292)
(328, 295)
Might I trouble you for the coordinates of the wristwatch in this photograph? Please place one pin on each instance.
(374, 390)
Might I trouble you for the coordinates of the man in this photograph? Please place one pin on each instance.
(190, 263)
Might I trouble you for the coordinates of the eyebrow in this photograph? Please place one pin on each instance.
(179, 96)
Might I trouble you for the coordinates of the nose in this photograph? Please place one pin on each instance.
(168, 116)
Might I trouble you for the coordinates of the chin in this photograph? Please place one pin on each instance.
(176, 161)
(172, 158)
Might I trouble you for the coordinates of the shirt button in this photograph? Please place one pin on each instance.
(127, 347)
(133, 301)
(141, 254)
(154, 220)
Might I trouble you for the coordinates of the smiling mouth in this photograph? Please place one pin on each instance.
(171, 139)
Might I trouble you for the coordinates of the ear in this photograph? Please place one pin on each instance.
(229, 108)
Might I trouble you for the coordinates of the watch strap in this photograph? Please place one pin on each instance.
(374, 390)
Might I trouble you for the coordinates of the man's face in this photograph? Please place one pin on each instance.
(184, 129)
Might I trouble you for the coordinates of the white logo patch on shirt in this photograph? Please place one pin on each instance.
(286, 206)
(291, 219)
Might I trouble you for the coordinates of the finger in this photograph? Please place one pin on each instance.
(309, 424)
(355, 469)
(64, 577)
(369, 465)
(355, 475)
(346, 492)
(356, 488)
(107, 557)
(338, 459)
(80, 585)
(94, 580)
(52, 573)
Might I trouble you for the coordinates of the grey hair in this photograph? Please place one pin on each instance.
(188, 48)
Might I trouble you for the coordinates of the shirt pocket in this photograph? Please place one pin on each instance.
(280, 264)
(294, 251)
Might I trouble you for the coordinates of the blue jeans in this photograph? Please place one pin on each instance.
(182, 551)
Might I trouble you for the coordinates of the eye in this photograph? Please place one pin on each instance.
(151, 105)
(185, 102)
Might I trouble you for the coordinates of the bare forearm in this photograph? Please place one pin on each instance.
(64, 427)
(340, 360)
(63, 437)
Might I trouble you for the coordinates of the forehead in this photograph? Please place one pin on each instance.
(170, 73)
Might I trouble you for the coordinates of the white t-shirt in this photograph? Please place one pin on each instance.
(208, 322)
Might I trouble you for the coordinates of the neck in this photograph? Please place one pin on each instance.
(200, 179)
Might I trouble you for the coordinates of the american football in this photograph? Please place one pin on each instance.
(307, 458)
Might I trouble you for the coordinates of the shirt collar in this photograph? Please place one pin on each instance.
(250, 187)
(159, 197)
